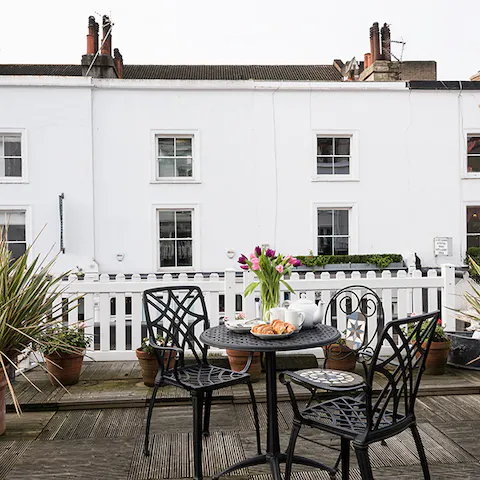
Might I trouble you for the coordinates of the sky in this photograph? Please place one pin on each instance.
(244, 32)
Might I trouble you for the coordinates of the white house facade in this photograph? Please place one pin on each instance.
(184, 175)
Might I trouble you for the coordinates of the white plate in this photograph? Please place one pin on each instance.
(275, 336)
(242, 326)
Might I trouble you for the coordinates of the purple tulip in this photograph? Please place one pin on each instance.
(270, 253)
(245, 267)
(242, 259)
(258, 251)
(297, 263)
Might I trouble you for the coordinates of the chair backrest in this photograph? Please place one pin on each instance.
(409, 340)
(179, 314)
(359, 304)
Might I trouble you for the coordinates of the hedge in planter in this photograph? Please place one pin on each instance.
(380, 260)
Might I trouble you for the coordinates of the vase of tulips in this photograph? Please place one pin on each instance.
(270, 268)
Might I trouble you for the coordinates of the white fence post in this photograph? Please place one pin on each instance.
(448, 316)
(230, 293)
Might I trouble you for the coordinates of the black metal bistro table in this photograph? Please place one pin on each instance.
(318, 336)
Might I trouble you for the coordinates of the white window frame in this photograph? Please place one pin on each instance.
(466, 134)
(23, 141)
(353, 176)
(352, 223)
(26, 209)
(464, 243)
(195, 208)
(178, 133)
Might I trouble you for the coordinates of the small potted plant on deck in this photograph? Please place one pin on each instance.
(64, 348)
(339, 356)
(148, 361)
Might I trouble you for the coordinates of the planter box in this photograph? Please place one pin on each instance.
(346, 267)
(464, 349)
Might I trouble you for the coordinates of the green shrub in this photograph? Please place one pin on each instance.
(380, 260)
(473, 253)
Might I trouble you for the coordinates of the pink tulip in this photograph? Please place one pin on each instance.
(253, 256)
(255, 266)
(279, 268)
(292, 260)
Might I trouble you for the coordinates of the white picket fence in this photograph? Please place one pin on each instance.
(112, 309)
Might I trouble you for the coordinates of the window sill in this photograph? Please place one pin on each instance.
(175, 269)
(471, 176)
(174, 180)
(335, 178)
(17, 180)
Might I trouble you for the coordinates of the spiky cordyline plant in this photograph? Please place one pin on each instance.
(30, 304)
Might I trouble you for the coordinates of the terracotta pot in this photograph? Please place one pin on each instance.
(437, 358)
(340, 357)
(149, 366)
(238, 360)
(66, 367)
(3, 412)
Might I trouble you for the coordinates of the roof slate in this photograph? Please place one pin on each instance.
(317, 73)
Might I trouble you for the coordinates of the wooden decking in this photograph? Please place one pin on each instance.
(96, 431)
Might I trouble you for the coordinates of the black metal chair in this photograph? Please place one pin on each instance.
(179, 314)
(358, 303)
(366, 419)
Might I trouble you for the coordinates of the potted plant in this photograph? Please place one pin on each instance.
(148, 361)
(238, 358)
(63, 348)
(339, 356)
(29, 306)
(439, 349)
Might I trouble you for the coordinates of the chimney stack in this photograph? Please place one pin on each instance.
(107, 37)
(386, 43)
(92, 36)
(118, 61)
(375, 42)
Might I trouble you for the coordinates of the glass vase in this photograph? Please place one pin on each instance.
(270, 296)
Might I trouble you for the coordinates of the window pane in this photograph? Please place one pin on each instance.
(17, 249)
(184, 253)
(184, 224)
(473, 241)
(165, 147)
(474, 163)
(342, 165)
(14, 218)
(13, 146)
(166, 167)
(473, 144)
(13, 167)
(184, 147)
(342, 146)
(184, 167)
(167, 223)
(473, 219)
(325, 222)
(324, 146)
(325, 246)
(324, 165)
(16, 233)
(340, 245)
(167, 253)
(341, 222)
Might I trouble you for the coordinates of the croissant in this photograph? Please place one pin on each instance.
(264, 329)
(278, 326)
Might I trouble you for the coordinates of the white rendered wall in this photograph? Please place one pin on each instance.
(257, 158)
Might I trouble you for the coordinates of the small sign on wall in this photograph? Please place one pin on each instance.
(442, 246)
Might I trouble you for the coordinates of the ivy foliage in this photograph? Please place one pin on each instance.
(380, 260)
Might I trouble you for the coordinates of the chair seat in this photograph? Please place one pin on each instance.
(327, 379)
(347, 415)
(204, 377)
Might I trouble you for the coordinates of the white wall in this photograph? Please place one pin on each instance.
(256, 158)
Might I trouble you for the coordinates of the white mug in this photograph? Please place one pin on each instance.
(295, 318)
(277, 313)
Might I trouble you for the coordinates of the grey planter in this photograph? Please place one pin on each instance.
(464, 350)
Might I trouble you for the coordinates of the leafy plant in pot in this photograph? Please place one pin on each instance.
(439, 348)
(30, 304)
(148, 360)
(64, 348)
(339, 356)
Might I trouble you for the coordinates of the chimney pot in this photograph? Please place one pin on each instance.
(386, 43)
(91, 36)
(107, 37)
(367, 60)
(375, 42)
